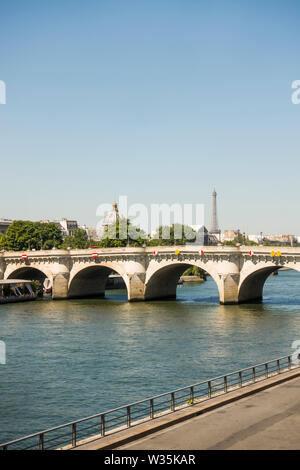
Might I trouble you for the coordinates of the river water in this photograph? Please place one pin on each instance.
(70, 359)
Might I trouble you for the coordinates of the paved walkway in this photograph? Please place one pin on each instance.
(269, 419)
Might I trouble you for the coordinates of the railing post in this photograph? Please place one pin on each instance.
(209, 389)
(266, 370)
(278, 366)
(128, 417)
(41, 441)
(289, 362)
(253, 374)
(74, 435)
(102, 425)
(225, 383)
(240, 379)
(192, 395)
(172, 401)
(151, 408)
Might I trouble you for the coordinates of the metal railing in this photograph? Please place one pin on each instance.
(97, 426)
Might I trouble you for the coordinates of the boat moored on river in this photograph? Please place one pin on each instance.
(16, 290)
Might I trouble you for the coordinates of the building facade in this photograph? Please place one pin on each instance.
(4, 224)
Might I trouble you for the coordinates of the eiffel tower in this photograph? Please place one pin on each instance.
(214, 230)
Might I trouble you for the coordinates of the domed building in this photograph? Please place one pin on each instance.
(111, 218)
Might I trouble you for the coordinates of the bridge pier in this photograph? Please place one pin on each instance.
(229, 289)
(60, 281)
(60, 286)
(136, 287)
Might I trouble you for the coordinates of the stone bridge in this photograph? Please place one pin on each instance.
(151, 272)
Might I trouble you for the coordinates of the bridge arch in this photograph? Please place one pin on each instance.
(27, 272)
(90, 281)
(162, 279)
(252, 284)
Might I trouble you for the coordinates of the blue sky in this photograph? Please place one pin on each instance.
(159, 100)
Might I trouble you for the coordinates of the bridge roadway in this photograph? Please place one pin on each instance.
(151, 272)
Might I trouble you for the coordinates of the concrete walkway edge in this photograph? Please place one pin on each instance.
(149, 427)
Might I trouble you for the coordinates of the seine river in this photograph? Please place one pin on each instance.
(70, 359)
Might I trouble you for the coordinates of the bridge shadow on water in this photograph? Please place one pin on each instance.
(119, 295)
(279, 290)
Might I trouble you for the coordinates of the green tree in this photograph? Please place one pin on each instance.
(78, 240)
(2, 241)
(37, 287)
(195, 271)
(50, 235)
(22, 235)
(241, 240)
(176, 234)
(123, 233)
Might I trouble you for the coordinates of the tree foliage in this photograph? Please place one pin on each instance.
(195, 271)
(37, 287)
(79, 239)
(2, 239)
(122, 233)
(176, 234)
(242, 240)
(23, 235)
